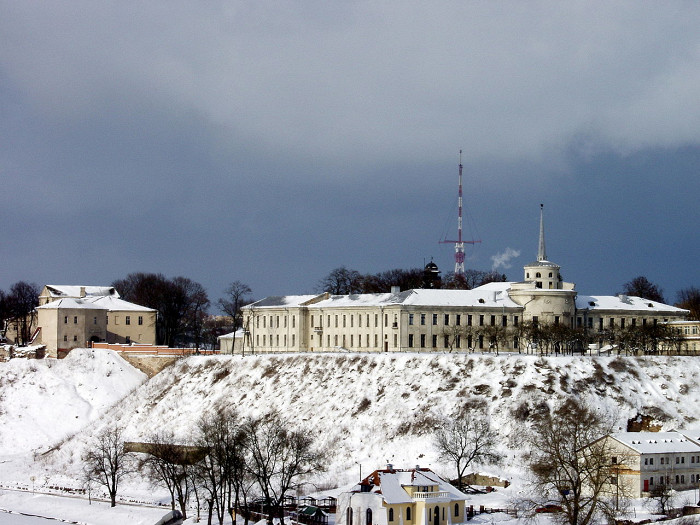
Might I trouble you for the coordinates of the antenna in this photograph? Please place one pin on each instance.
(459, 243)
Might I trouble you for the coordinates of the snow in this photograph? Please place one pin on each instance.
(366, 409)
(657, 442)
(623, 303)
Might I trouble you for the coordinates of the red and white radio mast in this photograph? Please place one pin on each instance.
(459, 243)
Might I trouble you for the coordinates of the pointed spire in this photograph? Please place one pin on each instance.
(541, 251)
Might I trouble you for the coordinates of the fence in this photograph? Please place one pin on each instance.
(152, 350)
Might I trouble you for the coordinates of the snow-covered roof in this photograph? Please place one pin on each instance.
(492, 294)
(657, 442)
(70, 303)
(237, 333)
(62, 290)
(115, 304)
(108, 303)
(624, 303)
(390, 484)
(276, 301)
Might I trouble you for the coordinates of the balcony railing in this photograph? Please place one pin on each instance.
(431, 495)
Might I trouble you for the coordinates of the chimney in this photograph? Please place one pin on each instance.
(395, 289)
(390, 467)
(82, 291)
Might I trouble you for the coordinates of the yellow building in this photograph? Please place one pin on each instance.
(391, 496)
(74, 316)
(490, 317)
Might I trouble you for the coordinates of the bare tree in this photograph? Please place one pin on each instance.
(341, 281)
(107, 461)
(221, 471)
(237, 295)
(661, 494)
(279, 459)
(689, 298)
(171, 465)
(20, 309)
(181, 304)
(642, 287)
(465, 440)
(571, 461)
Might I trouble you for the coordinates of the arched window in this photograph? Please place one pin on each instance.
(349, 516)
(408, 513)
(456, 509)
(391, 514)
(538, 275)
(369, 516)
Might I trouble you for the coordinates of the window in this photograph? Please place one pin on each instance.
(422, 340)
(410, 319)
(493, 320)
(349, 516)
(458, 319)
(434, 341)
(369, 516)
(391, 514)
(65, 320)
(651, 481)
(94, 320)
(614, 460)
(447, 341)
(352, 321)
(65, 338)
(651, 461)
(678, 460)
(352, 340)
(294, 320)
(410, 340)
(556, 319)
(515, 320)
(422, 319)
(140, 320)
(469, 320)
(504, 320)
(128, 320)
(344, 322)
(456, 509)
(75, 320)
(408, 513)
(481, 320)
(447, 319)
(435, 318)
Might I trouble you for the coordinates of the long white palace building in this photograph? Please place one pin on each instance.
(427, 320)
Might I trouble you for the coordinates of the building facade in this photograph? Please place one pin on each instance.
(74, 316)
(490, 317)
(641, 461)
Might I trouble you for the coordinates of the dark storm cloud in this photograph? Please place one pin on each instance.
(271, 142)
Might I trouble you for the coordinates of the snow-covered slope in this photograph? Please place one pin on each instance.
(44, 401)
(370, 409)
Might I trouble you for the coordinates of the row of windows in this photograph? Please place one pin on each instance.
(457, 319)
(276, 319)
(454, 341)
(276, 341)
(392, 517)
(680, 460)
(127, 320)
(612, 322)
(679, 479)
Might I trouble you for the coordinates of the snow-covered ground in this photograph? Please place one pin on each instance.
(367, 409)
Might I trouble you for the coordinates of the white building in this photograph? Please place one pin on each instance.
(402, 497)
(424, 320)
(644, 460)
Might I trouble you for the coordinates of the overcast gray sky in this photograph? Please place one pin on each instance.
(270, 142)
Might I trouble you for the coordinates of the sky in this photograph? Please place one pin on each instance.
(271, 142)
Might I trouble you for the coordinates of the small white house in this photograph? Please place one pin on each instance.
(231, 343)
(391, 496)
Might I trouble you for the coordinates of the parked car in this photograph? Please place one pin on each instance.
(174, 517)
(550, 507)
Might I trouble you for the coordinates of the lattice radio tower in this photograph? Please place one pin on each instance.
(459, 243)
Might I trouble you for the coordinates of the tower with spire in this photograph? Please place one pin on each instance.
(548, 297)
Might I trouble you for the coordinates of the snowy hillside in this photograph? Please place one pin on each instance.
(44, 401)
(370, 409)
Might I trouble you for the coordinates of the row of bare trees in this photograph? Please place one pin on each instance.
(228, 463)
(344, 281)
(549, 338)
